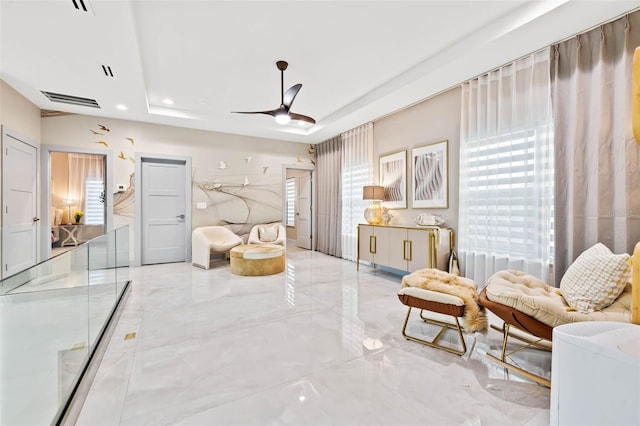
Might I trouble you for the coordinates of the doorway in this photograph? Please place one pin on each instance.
(74, 181)
(19, 203)
(162, 209)
(298, 190)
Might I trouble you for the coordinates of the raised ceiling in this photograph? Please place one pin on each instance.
(358, 60)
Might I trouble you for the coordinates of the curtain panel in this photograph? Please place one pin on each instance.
(597, 177)
(357, 171)
(506, 170)
(329, 210)
(83, 167)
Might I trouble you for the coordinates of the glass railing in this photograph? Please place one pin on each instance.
(52, 318)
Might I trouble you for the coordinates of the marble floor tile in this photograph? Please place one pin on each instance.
(319, 344)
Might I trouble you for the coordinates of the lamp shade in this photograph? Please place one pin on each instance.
(375, 193)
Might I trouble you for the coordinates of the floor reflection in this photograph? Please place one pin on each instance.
(317, 344)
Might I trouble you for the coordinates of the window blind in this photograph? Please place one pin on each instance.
(93, 202)
(291, 201)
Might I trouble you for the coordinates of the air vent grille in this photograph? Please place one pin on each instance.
(107, 71)
(70, 99)
(80, 5)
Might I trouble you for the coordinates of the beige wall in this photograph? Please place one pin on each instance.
(430, 121)
(19, 114)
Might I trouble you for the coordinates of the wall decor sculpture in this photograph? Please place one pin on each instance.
(393, 177)
(430, 173)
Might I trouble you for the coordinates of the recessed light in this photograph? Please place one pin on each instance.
(167, 101)
(122, 107)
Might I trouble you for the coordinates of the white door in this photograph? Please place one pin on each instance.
(304, 211)
(163, 211)
(19, 205)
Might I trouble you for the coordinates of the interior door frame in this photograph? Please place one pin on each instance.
(137, 224)
(45, 166)
(8, 132)
(312, 171)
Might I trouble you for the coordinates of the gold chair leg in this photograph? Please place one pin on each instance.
(434, 343)
(543, 381)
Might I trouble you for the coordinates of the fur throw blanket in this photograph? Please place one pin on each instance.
(475, 318)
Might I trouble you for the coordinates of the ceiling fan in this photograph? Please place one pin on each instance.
(283, 113)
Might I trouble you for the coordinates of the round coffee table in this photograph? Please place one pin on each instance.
(257, 259)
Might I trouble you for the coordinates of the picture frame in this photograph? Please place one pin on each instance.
(393, 177)
(430, 176)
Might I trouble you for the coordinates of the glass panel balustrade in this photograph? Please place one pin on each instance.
(52, 317)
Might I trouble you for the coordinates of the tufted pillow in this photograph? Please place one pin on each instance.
(595, 279)
(268, 234)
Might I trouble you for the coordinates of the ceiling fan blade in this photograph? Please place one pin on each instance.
(288, 97)
(271, 113)
(301, 117)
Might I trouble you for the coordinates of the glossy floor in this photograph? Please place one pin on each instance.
(319, 344)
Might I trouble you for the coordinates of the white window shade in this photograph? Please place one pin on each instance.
(93, 202)
(291, 201)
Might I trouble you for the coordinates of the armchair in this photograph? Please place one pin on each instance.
(598, 286)
(211, 239)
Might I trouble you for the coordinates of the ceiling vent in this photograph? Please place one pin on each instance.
(82, 6)
(69, 99)
(107, 70)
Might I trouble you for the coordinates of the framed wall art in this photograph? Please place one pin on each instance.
(393, 177)
(430, 176)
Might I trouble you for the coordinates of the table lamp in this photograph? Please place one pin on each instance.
(375, 194)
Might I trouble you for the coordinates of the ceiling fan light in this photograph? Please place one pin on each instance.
(282, 118)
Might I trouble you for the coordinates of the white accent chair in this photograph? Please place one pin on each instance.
(273, 233)
(211, 239)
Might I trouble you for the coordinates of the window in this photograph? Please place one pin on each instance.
(291, 201)
(504, 181)
(94, 202)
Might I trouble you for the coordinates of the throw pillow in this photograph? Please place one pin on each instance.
(268, 234)
(595, 279)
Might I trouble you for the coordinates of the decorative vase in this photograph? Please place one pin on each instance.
(386, 216)
(77, 218)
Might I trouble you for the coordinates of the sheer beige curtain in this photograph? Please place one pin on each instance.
(357, 171)
(597, 179)
(329, 202)
(81, 168)
(506, 170)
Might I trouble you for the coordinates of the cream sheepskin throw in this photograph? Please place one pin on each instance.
(474, 317)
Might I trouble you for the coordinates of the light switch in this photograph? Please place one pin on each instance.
(201, 205)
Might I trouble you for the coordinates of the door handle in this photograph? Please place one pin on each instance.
(35, 219)
(181, 216)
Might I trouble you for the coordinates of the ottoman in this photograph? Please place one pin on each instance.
(257, 259)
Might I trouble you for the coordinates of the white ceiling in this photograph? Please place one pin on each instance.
(357, 60)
